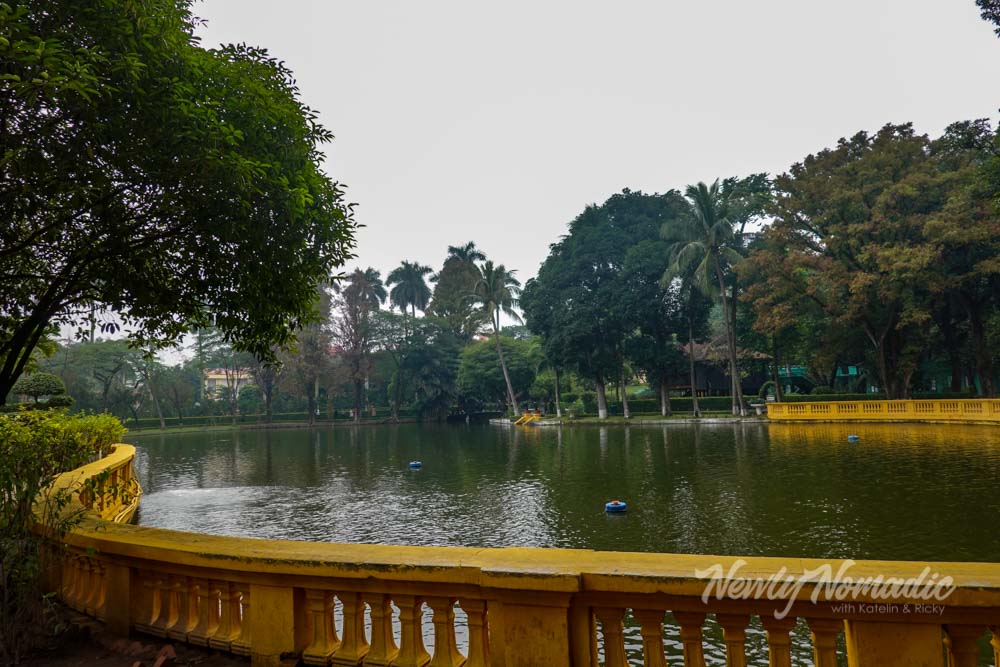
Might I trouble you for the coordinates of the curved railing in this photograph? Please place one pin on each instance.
(275, 600)
(961, 410)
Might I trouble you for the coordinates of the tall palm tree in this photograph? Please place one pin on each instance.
(409, 287)
(467, 253)
(702, 245)
(370, 287)
(497, 291)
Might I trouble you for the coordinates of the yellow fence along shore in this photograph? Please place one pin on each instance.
(274, 600)
(958, 410)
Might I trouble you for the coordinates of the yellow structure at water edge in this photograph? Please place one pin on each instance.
(961, 410)
(275, 600)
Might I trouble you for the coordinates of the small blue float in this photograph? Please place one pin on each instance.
(853, 438)
(416, 464)
(615, 506)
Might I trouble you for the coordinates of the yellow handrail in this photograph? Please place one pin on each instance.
(274, 600)
(921, 410)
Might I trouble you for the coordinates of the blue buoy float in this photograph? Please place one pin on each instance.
(416, 464)
(853, 438)
(615, 506)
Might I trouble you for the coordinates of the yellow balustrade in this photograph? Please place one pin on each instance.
(925, 410)
(272, 600)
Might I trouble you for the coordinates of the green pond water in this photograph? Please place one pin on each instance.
(902, 492)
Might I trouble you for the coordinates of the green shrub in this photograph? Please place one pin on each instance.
(35, 447)
(59, 401)
(821, 389)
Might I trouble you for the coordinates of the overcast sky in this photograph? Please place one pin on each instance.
(499, 122)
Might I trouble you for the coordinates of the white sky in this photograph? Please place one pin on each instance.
(498, 122)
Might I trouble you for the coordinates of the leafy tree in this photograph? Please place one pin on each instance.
(309, 360)
(181, 384)
(390, 336)
(452, 286)
(849, 235)
(38, 385)
(482, 381)
(964, 280)
(580, 303)
(431, 364)
(147, 176)
(266, 376)
(496, 292)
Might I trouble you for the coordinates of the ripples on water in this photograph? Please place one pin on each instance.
(903, 492)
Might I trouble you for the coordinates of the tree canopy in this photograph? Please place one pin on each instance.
(144, 175)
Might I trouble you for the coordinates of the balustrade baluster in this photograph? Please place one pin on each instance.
(651, 629)
(150, 604)
(241, 645)
(84, 589)
(995, 643)
(228, 629)
(965, 644)
(734, 634)
(183, 591)
(68, 578)
(353, 644)
(824, 633)
(779, 643)
(612, 627)
(75, 569)
(691, 623)
(383, 646)
(100, 590)
(445, 647)
(168, 607)
(412, 652)
(320, 628)
(207, 612)
(479, 636)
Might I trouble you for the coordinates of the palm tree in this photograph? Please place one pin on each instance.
(497, 291)
(409, 288)
(467, 253)
(702, 246)
(370, 287)
(362, 294)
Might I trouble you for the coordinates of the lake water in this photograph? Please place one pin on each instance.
(902, 492)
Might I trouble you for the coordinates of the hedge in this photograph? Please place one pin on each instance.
(222, 420)
(814, 398)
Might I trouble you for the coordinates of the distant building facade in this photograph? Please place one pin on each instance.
(219, 380)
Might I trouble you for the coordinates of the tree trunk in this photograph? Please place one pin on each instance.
(602, 399)
(268, 400)
(558, 405)
(779, 394)
(626, 413)
(695, 410)
(397, 395)
(737, 392)
(156, 401)
(983, 353)
(664, 397)
(358, 391)
(506, 375)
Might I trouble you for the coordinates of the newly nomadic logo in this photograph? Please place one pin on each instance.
(829, 586)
